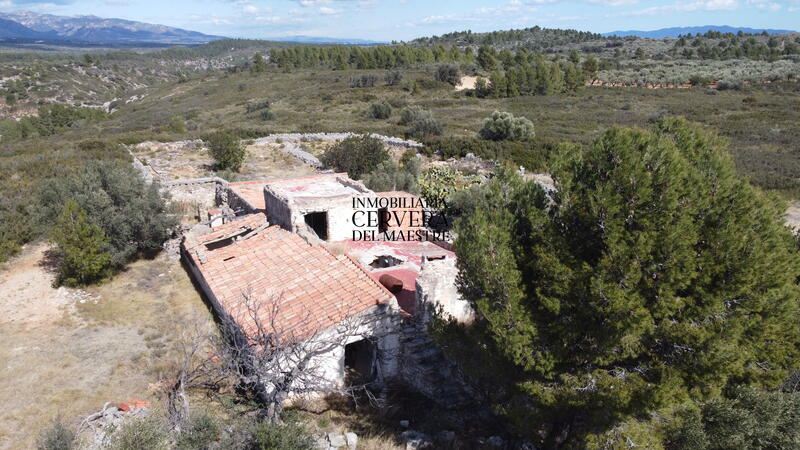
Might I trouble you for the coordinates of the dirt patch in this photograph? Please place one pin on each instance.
(29, 299)
(66, 352)
(467, 82)
(792, 216)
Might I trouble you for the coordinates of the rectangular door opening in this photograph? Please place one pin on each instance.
(318, 221)
(359, 362)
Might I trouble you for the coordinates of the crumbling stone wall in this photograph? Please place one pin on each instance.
(291, 137)
(289, 214)
(437, 290)
(227, 196)
(278, 207)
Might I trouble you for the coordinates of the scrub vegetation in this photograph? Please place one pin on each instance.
(648, 302)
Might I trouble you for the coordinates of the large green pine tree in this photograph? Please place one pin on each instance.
(652, 276)
(82, 247)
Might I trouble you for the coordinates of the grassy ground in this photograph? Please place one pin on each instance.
(763, 123)
(263, 161)
(67, 358)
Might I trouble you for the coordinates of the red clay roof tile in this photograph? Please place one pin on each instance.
(315, 289)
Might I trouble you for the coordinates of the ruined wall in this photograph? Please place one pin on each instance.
(238, 204)
(436, 290)
(382, 326)
(289, 214)
(334, 137)
(277, 207)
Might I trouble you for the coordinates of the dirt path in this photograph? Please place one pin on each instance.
(66, 352)
(28, 298)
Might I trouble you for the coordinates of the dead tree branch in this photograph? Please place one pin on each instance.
(278, 361)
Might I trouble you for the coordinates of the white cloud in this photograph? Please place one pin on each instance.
(313, 2)
(328, 11)
(701, 5)
(717, 5)
(765, 5)
(615, 2)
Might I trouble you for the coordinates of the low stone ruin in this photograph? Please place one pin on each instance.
(100, 424)
(336, 441)
(291, 137)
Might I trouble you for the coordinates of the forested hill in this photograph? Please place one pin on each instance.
(535, 38)
(709, 45)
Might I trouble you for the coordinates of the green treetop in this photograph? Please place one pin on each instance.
(81, 247)
(654, 275)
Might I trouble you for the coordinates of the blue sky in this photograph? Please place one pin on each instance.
(407, 19)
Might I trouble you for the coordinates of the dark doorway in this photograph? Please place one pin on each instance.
(318, 221)
(383, 220)
(359, 362)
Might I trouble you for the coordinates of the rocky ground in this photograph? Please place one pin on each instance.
(190, 159)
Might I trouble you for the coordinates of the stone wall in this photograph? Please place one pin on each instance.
(437, 290)
(292, 137)
(289, 214)
(278, 207)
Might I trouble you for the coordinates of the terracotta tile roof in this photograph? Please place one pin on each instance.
(312, 288)
(241, 225)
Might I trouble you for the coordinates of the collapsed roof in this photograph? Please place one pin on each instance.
(308, 287)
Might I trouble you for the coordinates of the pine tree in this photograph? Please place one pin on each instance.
(574, 56)
(499, 84)
(652, 276)
(81, 247)
(590, 67)
(259, 64)
(487, 58)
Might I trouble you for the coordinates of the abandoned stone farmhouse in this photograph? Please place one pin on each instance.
(289, 243)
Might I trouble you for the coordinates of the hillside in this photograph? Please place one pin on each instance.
(535, 38)
(541, 102)
(712, 44)
(100, 77)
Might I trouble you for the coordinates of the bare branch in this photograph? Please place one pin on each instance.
(277, 361)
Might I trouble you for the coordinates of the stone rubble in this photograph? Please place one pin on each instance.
(302, 155)
(292, 137)
(80, 296)
(111, 416)
(416, 440)
(337, 441)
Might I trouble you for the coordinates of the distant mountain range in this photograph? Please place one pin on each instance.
(92, 29)
(675, 31)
